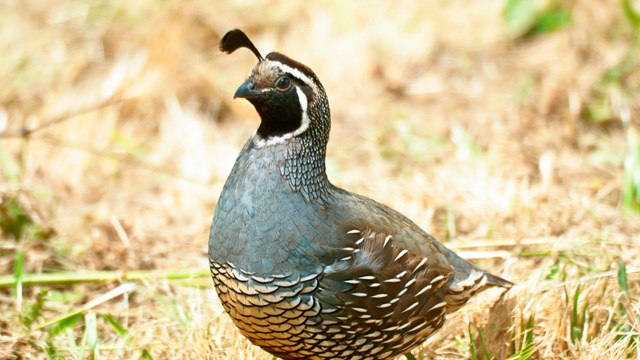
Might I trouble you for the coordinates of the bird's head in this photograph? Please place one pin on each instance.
(286, 94)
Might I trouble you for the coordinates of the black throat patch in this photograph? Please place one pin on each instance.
(280, 112)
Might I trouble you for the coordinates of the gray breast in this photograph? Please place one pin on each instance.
(260, 224)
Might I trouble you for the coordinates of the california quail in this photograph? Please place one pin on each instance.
(306, 269)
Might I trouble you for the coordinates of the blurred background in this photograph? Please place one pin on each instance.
(509, 129)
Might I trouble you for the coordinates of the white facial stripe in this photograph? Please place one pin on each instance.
(304, 125)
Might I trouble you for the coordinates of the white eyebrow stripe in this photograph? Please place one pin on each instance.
(295, 73)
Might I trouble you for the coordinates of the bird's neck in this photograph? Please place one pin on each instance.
(304, 166)
(302, 153)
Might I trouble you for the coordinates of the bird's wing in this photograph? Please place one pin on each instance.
(383, 289)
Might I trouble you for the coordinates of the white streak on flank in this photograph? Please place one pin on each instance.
(401, 254)
(409, 283)
(379, 296)
(367, 277)
(386, 240)
(359, 241)
(354, 231)
(402, 274)
(422, 262)
(418, 327)
(436, 279)
(304, 125)
(411, 307)
(424, 289)
(438, 305)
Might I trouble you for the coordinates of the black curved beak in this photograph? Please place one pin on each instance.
(246, 90)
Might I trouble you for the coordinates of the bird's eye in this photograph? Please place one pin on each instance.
(283, 83)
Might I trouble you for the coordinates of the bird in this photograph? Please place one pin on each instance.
(306, 269)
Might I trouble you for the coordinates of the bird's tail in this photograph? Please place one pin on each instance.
(494, 280)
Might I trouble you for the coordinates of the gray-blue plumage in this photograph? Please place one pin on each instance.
(308, 270)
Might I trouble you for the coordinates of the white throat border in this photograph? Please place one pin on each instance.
(259, 141)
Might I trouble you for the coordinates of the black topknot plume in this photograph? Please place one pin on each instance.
(235, 39)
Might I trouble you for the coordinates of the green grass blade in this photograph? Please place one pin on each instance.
(173, 308)
(120, 290)
(528, 332)
(120, 329)
(485, 349)
(631, 187)
(472, 344)
(68, 278)
(551, 20)
(90, 337)
(584, 328)
(145, 355)
(622, 277)
(9, 167)
(575, 327)
(632, 15)
(519, 16)
(64, 324)
(18, 277)
(34, 312)
(410, 356)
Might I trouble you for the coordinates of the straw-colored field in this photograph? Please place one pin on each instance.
(511, 135)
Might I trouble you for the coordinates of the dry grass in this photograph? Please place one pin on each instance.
(118, 129)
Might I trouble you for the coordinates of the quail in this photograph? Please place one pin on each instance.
(306, 269)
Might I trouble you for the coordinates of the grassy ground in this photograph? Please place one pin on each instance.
(508, 129)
